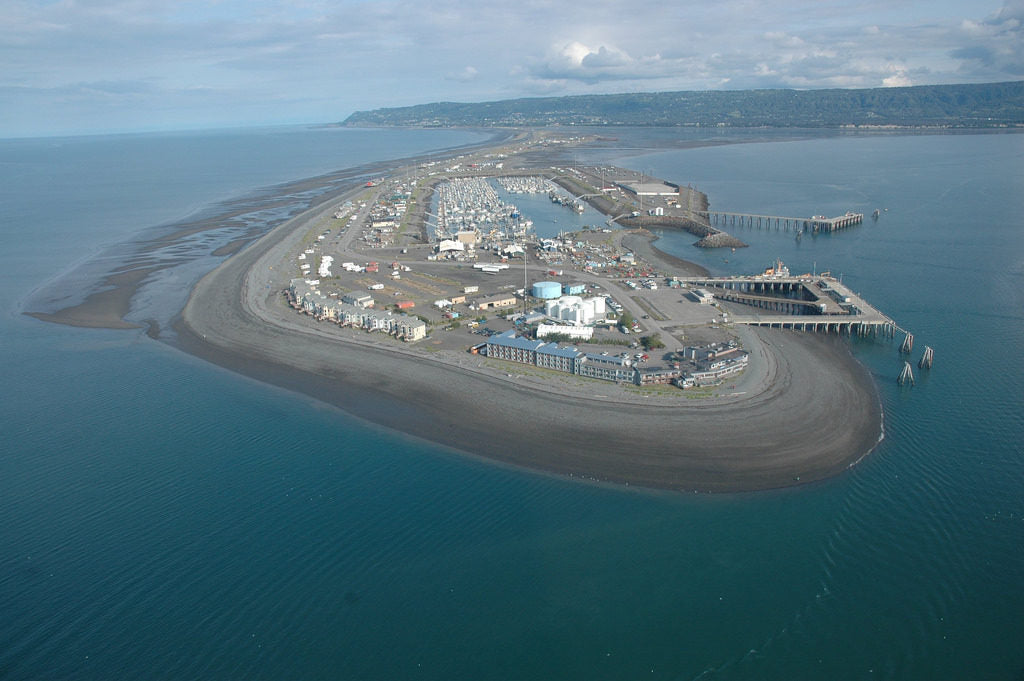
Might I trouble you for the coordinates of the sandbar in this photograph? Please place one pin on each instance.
(809, 411)
(804, 411)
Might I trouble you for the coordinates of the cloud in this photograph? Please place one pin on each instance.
(604, 63)
(320, 59)
(993, 47)
(465, 75)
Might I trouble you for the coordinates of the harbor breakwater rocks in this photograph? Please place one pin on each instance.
(710, 236)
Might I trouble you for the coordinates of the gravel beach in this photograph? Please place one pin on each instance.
(807, 410)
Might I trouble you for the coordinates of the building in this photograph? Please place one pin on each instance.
(583, 333)
(713, 372)
(411, 328)
(617, 368)
(513, 251)
(709, 364)
(707, 353)
(508, 347)
(450, 246)
(574, 289)
(550, 356)
(702, 296)
(357, 299)
(650, 188)
(304, 296)
(655, 375)
(496, 303)
(606, 367)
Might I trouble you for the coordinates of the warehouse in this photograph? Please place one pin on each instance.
(496, 303)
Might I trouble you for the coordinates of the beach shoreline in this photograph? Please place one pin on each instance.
(809, 413)
(809, 410)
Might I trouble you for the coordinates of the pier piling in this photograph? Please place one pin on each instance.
(907, 375)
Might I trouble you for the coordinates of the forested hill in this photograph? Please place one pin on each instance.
(972, 106)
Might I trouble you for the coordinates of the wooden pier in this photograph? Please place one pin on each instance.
(817, 223)
(804, 303)
(818, 303)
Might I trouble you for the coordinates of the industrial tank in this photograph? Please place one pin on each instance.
(547, 290)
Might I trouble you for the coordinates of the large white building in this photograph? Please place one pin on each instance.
(583, 333)
(575, 310)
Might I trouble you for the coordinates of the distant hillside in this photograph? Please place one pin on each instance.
(971, 106)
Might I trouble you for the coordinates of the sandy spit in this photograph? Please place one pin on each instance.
(809, 410)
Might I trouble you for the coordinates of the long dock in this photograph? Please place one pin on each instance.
(817, 223)
(805, 303)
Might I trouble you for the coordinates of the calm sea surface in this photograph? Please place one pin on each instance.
(161, 518)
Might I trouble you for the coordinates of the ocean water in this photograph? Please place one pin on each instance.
(161, 518)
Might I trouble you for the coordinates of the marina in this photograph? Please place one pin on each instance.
(940, 497)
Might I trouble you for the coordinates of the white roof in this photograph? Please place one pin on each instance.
(451, 245)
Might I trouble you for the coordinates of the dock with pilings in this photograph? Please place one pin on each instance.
(817, 303)
(817, 223)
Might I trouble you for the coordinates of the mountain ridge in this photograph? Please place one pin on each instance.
(981, 105)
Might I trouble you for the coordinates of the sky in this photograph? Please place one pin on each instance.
(99, 66)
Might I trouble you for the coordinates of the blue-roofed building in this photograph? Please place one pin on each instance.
(606, 367)
(617, 368)
(566, 359)
(508, 347)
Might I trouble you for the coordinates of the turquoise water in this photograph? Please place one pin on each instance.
(163, 518)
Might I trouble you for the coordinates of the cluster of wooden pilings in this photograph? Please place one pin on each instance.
(907, 374)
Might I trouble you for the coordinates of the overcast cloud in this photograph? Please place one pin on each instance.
(70, 66)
